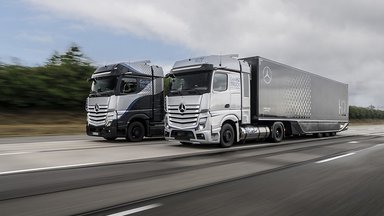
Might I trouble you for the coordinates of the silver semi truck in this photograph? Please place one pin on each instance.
(126, 100)
(225, 99)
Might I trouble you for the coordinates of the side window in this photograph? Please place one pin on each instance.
(220, 82)
(128, 85)
(246, 85)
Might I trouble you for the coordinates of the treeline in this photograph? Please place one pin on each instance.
(59, 84)
(365, 113)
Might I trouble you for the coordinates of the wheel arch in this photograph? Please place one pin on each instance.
(142, 118)
(234, 122)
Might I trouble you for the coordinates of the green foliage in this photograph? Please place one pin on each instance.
(61, 83)
(167, 80)
(365, 113)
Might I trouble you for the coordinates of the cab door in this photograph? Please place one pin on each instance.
(220, 97)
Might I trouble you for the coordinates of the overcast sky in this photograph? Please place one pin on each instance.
(339, 39)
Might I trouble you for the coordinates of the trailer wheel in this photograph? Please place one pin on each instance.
(227, 136)
(277, 132)
(333, 134)
(318, 135)
(135, 132)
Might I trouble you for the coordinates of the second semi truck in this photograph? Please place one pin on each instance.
(126, 100)
(224, 100)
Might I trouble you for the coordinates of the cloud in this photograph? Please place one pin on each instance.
(342, 40)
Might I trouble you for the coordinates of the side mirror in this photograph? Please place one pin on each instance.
(170, 75)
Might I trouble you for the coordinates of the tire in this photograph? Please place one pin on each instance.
(333, 134)
(318, 135)
(110, 138)
(227, 136)
(135, 132)
(277, 132)
(327, 134)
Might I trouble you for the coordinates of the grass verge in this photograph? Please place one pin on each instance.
(37, 123)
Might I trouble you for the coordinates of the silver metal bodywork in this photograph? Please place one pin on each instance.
(209, 107)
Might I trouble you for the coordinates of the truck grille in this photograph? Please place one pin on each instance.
(97, 118)
(186, 119)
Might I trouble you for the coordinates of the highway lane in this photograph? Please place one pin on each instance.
(83, 189)
(31, 156)
(348, 184)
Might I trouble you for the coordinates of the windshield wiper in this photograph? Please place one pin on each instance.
(192, 91)
(94, 94)
(107, 93)
(103, 93)
(176, 91)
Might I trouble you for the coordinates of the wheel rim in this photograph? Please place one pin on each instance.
(136, 132)
(227, 136)
(278, 133)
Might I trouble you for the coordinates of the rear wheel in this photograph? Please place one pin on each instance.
(135, 132)
(277, 132)
(227, 136)
(333, 134)
(318, 135)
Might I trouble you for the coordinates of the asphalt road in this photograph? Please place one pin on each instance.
(350, 185)
(162, 178)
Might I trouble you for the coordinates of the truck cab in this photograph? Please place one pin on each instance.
(205, 94)
(126, 100)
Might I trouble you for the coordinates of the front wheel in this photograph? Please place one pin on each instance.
(135, 132)
(227, 136)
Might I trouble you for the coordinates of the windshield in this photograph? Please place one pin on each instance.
(102, 86)
(192, 83)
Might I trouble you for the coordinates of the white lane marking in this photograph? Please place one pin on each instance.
(14, 153)
(337, 157)
(135, 210)
(353, 142)
(50, 168)
(45, 142)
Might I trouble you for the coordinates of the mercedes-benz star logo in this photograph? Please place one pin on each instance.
(97, 108)
(181, 108)
(267, 74)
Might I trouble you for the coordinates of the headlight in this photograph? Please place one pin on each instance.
(202, 123)
(110, 117)
(166, 121)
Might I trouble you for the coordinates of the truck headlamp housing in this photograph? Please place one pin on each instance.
(202, 123)
(110, 117)
(166, 121)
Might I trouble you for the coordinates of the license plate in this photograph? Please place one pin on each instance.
(95, 133)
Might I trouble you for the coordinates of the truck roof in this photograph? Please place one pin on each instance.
(141, 68)
(226, 62)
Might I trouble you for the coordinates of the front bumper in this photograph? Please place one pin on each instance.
(192, 136)
(102, 131)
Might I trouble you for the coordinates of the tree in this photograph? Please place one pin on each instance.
(73, 56)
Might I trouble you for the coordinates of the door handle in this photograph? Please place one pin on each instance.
(227, 106)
